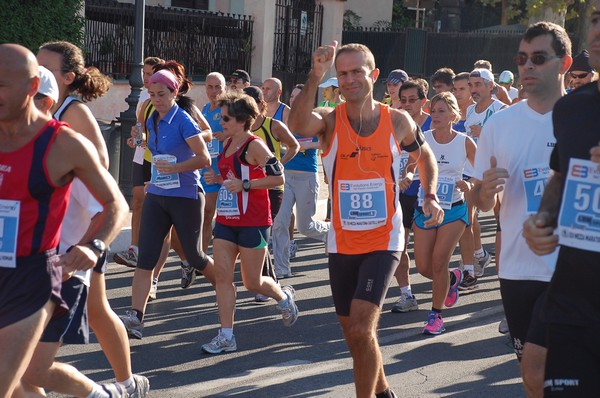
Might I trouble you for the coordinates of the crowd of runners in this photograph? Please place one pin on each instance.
(225, 177)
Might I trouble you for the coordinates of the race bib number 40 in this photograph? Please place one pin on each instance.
(579, 216)
(534, 181)
(9, 229)
(362, 204)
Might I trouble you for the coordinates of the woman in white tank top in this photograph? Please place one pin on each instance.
(434, 246)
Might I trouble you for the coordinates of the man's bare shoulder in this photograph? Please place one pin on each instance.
(401, 120)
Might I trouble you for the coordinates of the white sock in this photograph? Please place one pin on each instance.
(285, 302)
(406, 290)
(128, 384)
(479, 253)
(185, 263)
(470, 268)
(227, 333)
(98, 392)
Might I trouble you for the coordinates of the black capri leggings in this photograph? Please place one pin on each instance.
(158, 215)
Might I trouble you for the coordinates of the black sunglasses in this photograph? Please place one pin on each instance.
(579, 75)
(536, 59)
(226, 118)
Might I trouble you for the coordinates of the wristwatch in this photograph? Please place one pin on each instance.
(246, 185)
(98, 246)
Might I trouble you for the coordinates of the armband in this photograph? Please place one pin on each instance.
(273, 167)
(419, 140)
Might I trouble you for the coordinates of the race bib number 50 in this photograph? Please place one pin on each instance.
(362, 204)
(579, 216)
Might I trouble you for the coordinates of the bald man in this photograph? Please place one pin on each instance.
(39, 157)
(272, 89)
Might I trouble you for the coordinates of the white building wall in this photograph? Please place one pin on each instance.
(370, 11)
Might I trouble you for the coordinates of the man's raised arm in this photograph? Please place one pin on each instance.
(302, 119)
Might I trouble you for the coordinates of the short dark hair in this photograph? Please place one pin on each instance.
(358, 48)
(561, 43)
(462, 76)
(299, 86)
(241, 106)
(151, 61)
(407, 85)
(444, 75)
(483, 64)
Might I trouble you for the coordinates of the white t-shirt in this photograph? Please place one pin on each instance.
(479, 119)
(513, 93)
(82, 207)
(521, 140)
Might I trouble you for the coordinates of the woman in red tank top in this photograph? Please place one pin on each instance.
(248, 169)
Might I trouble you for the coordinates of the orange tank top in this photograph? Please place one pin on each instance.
(364, 192)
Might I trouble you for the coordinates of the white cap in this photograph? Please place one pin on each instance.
(48, 85)
(332, 81)
(506, 77)
(482, 73)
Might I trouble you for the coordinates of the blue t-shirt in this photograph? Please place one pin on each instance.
(173, 130)
(460, 126)
(215, 147)
(426, 124)
(304, 160)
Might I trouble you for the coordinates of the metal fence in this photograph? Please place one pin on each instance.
(298, 30)
(202, 41)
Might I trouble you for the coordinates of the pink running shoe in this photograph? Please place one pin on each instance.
(452, 297)
(434, 324)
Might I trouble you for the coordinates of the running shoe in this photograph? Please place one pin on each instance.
(128, 258)
(293, 248)
(469, 282)
(114, 390)
(142, 387)
(153, 290)
(503, 326)
(406, 303)
(289, 311)
(220, 344)
(133, 325)
(452, 296)
(481, 263)
(261, 298)
(434, 324)
(188, 276)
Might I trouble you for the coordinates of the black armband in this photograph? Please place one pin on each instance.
(273, 167)
(420, 140)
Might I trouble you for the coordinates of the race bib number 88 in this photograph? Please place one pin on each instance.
(362, 204)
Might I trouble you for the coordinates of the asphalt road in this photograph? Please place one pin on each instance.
(310, 359)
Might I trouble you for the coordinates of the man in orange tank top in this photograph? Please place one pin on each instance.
(362, 141)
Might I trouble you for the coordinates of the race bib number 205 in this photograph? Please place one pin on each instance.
(579, 216)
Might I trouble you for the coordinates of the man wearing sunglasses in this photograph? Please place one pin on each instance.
(511, 168)
(572, 301)
(581, 72)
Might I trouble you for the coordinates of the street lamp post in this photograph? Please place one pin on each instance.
(129, 117)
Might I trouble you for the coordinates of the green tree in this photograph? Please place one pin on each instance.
(33, 22)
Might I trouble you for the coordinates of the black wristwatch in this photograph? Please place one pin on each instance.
(246, 185)
(98, 246)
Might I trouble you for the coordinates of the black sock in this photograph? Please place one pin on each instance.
(436, 310)
(139, 314)
(387, 393)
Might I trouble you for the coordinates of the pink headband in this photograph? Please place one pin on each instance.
(167, 78)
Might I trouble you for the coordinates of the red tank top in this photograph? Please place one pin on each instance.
(244, 209)
(24, 178)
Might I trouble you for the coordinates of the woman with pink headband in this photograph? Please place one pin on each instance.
(174, 198)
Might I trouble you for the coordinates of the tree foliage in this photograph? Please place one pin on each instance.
(33, 22)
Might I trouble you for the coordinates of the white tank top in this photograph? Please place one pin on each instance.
(451, 159)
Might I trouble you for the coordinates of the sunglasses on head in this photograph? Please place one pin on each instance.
(536, 59)
(579, 75)
(409, 100)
